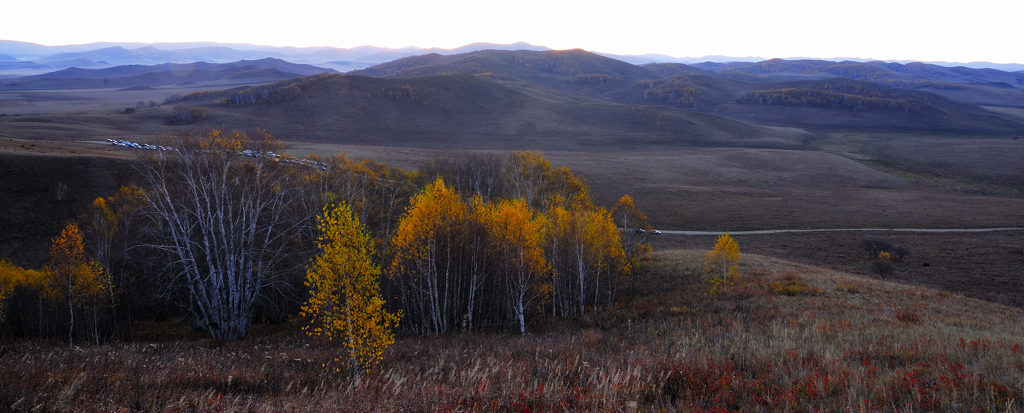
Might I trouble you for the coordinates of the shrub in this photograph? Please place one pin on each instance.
(883, 267)
(908, 316)
(792, 285)
(899, 253)
(874, 246)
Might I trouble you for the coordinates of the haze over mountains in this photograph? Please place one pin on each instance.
(136, 76)
(22, 58)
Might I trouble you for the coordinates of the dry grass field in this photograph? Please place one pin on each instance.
(754, 188)
(809, 327)
(986, 266)
(786, 337)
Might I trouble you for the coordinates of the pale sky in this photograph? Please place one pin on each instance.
(937, 30)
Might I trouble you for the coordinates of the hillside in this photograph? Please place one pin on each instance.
(451, 111)
(786, 337)
(781, 69)
(44, 191)
(586, 87)
(841, 104)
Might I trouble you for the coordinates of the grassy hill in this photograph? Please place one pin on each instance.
(522, 64)
(557, 99)
(454, 111)
(786, 337)
(563, 98)
(43, 192)
(781, 69)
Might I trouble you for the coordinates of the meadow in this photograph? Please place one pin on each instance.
(786, 337)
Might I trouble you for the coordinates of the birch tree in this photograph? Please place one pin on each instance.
(721, 264)
(344, 294)
(227, 223)
(634, 230)
(516, 248)
(74, 280)
(430, 258)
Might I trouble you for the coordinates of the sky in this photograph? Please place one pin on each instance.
(936, 30)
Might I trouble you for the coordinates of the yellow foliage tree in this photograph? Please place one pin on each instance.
(73, 278)
(515, 234)
(7, 275)
(721, 264)
(428, 256)
(107, 229)
(526, 175)
(344, 294)
(586, 255)
(635, 228)
(606, 252)
(13, 277)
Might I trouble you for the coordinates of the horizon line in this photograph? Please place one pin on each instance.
(695, 58)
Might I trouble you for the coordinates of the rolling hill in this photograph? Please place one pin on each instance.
(780, 69)
(502, 64)
(912, 99)
(501, 99)
(460, 110)
(163, 74)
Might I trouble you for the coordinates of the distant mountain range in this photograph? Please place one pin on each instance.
(21, 58)
(138, 76)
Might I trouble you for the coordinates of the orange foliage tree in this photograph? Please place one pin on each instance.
(344, 294)
(73, 279)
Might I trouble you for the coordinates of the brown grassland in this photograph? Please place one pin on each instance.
(786, 337)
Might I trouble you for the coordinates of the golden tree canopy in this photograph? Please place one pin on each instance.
(344, 299)
(722, 263)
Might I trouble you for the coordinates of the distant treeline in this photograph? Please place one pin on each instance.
(672, 91)
(923, 85)
(845, 95)
(547, 63)
(591, 79)
(187, 115)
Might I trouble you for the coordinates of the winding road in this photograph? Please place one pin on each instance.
(784, 231)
